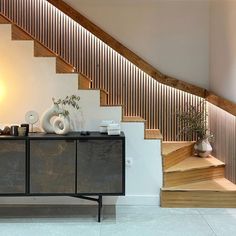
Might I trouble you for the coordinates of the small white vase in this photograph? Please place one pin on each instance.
(203, 148)
(61, 125)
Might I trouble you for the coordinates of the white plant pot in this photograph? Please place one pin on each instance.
(203, 148)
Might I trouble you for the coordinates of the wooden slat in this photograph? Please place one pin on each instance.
(152, 134)
(222, 103)
(215, 199)
(18, 34)
(41, 51)
(121, 49)
(191, 176)
(63, 67)
(193, 162)
(175, 152)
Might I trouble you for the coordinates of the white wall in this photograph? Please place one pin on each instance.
(172, 35)
(29, 83)
(223, 49)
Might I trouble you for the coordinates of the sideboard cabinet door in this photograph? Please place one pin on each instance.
(99, 166)
(52, 166)
(12, 166)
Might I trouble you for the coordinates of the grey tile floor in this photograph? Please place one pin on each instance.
(117, 221)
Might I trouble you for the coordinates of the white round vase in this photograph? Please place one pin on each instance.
(61, 125)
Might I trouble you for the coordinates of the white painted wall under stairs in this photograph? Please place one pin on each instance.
(31, 82)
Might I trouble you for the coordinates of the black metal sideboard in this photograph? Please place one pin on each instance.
(87, 167)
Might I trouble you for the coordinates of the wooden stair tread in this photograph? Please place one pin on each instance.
(169, 147)
(133, 119)
(194, 162)
(220, 184)
(153, 134)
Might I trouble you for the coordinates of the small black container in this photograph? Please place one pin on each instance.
(14, 130)
(27, 128)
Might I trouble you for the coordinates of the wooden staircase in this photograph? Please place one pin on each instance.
(190, 181)
(84, 83)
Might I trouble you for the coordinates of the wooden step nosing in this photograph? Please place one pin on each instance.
(196, 190)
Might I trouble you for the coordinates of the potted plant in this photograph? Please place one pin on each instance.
(194, 123)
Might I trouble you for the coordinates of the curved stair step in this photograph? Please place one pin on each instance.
(212, 193)
(193, 169)
(175, 152)
(194, 162)
(219, 184)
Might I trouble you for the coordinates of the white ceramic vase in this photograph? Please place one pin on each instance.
(203, 148)
(46, 119)
(61, 125)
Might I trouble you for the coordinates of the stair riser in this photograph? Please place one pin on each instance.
(18, 34)
(172, 179)
(177, 156)
(84, 83)
(41, 51)
(63, 68)
(103, 98)
(206, 199)
(3, 20)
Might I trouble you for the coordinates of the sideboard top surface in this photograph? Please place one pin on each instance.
(71, 135)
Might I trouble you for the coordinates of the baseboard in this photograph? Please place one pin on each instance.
(122, 200)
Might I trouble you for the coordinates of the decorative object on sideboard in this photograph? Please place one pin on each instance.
(113, 129)
(104, 125)
(14, 130)
(194, 123)
(31, 117)
(5, 131)
(27, 128)
(61, 123)
(21, 131)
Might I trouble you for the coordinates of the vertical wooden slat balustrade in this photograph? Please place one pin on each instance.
(125, 83)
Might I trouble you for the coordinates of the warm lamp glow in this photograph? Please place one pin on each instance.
(2, 90)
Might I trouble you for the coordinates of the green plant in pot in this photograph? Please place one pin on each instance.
(194, 123)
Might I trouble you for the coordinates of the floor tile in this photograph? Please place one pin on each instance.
(49, 229)
(176, 225)
(217, 211)
(223, 225)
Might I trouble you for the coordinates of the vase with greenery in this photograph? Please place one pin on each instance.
(193, 122)
(59, 110)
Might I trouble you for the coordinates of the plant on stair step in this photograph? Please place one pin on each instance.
(61, 124)
(194, 123)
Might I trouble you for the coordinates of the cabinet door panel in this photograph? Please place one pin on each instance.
(99, 166)
(12, 166)
(52, 166)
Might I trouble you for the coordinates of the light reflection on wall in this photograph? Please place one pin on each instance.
(223, 126)
(2, 90)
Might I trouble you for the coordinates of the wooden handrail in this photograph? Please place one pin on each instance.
(221, 103)
(124, 51)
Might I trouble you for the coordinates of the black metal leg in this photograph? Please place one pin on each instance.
(99, 207)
